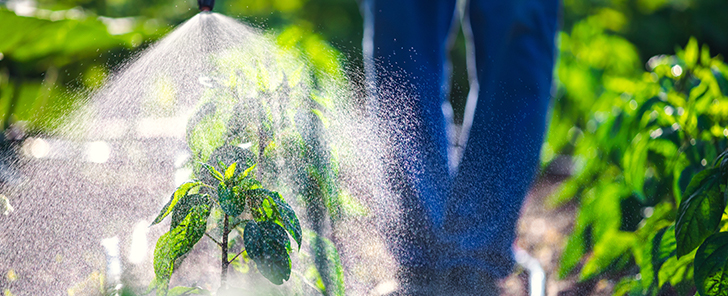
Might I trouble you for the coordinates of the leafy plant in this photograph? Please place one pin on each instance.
(650, 177)
(260, 123)
(261, 217)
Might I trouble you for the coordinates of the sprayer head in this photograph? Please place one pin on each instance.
(206, 5)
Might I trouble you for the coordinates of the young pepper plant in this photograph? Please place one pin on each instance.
(262, 217)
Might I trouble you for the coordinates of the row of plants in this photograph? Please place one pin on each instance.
(650, 169)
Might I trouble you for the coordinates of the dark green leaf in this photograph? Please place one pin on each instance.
(699, 212)
(288, 217)
(177, 242)
(711, 266)
(231, 201)
(181, 191)
(267, 244)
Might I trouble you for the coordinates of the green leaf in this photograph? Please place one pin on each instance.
(700, 211)
(185, 205)
(676, 271)
(213, 172)
(181, 191)
(230, 171)
(328, 263)
(691, 53)
(613, 246)
(231, 200)
(173, 245)
(571, 256)
(247, 171)
(658, 251)
(267, 244)
(288, 217)
(711, 266)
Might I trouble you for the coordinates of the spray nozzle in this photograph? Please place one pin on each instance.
(206, 5)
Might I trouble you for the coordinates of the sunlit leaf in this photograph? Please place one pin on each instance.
(185, 205)
(181, 191)
(676, 271)
(267, 244)
(700, 211)
(173, 245)
(711, 266)
(230, 171)
(691, 53)
(657, 252)
(613, 246)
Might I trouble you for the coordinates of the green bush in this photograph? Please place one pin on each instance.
(650, 168)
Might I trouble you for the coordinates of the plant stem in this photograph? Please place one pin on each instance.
(224, 245)
(213, 239)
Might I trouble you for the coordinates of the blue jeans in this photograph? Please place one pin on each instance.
(465, 216)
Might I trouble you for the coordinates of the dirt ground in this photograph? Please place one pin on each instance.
(542, 232)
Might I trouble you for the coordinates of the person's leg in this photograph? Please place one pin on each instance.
(406, 44)
(514, 55)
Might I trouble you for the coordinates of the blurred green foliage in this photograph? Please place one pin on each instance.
(648, 177)
(53, 52)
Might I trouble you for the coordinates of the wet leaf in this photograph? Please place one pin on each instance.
(231, 202)
(213, 172)
(287, 216)
(181, 191)
(185, 205)
(230, 171)
(173, 245)
(700, 211)
(267, 244)
(711, 266)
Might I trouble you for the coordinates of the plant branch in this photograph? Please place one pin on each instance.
(236, 256)
(213, 239)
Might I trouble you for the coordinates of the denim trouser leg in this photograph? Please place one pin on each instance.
(472, 217)
(408, 60)
(514, 55)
